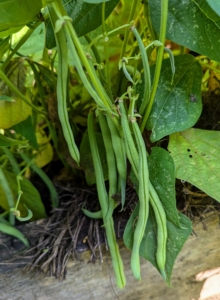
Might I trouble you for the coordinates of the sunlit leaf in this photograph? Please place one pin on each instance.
(215, 5)
(196, 154)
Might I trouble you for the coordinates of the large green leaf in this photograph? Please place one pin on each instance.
(215, 5)
(196, 154)
(176, 106)
(86, 17)
(189, 26)
(16, 13)
(206, 9)
(30, 197)
(86, 161)
(176, 237)
(162, 176)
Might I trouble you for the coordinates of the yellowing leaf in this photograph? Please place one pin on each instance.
(12, 113)
(45, 154)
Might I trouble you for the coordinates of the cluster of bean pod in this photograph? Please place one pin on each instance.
(123, 142)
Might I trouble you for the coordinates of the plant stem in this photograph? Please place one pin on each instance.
(106, 38)
(130, 18)
(163, 25)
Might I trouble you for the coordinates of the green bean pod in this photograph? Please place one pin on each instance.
(147, 80)
(131, 149)
(62, 76)
(92, 215)
(103, 199)
(160, 216)
(120, 155)
(143, 194)
(110, 156)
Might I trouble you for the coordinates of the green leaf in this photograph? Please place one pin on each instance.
(86, 17)
(8, 142)
(162, 177)
(18, 13)
(176, 237)
(215, 5)
(86, 158)
(35, 43)
(176, 106)
(30, 197)
(94, 1)
(14, 232)
(189, 26)
(206, 9)
(27, 130)
(196, 154)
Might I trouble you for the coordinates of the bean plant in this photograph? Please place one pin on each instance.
(111, 80)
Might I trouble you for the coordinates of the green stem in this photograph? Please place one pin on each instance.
(16, 90)
(60, 11)
(130, 18)
(106, 38)
(45, 178)
(163, 25)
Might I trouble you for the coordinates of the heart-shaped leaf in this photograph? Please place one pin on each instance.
(176, 106)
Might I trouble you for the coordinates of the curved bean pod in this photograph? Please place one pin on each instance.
(92, 215)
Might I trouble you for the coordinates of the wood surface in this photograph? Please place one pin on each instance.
(96, 281)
